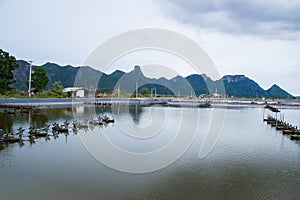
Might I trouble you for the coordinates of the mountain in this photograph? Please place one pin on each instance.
(240, 85)
(198, 83)
(68, 75)
(276, 91)
(195, 84)
(20, 75)
(65, 74)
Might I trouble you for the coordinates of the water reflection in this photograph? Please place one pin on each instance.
(6, 122)
(134, 111)
(36, 122)
(39, 118)
(251, 161)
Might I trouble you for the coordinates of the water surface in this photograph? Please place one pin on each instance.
(251, 160)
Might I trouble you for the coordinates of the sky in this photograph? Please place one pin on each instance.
(260, 39)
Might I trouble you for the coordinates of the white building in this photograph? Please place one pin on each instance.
(78, 92)
(216, 95)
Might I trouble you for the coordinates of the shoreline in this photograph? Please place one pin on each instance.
(182, 102)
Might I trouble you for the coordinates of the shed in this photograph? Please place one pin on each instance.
(78, 92)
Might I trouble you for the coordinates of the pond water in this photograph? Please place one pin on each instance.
(251, 160)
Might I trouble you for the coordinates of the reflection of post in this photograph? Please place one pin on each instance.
(29, 117)
(153, 92)
(136, 111)
(66, 141)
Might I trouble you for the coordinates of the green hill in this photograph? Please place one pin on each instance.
(94, 80)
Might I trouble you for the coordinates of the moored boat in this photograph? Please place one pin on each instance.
(295, 137)
(271, 108)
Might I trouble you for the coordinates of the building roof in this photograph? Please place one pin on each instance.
(73, 89)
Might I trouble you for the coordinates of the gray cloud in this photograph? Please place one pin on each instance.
(269, 18)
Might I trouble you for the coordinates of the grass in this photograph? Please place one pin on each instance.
(23, 94)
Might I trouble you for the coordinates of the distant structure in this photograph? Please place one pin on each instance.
(77, 92)
(216, 95)
(203, 95)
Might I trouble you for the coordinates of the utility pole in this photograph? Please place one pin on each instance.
(29, 81)
(153, 92)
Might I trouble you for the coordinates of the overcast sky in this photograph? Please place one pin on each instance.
(260, 39)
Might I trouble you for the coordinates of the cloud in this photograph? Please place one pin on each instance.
(67, 31)
(278, 19)
(235, 34)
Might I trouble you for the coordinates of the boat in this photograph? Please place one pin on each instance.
(39, 134)
(288, 132)
(158, 103)
(10, 138)
(42, 132)
(295, 137)
(204, 105)
(59, 129)
(280, 127)
(107, 120)
(271, 108)
(269, 120)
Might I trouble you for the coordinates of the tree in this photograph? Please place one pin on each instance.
(57, 89)
(7, 65)
(39, 79)
(145, 92)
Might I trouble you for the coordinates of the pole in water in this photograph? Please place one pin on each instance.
(29, 81)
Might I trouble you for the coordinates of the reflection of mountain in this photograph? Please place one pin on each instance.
(6, 122)
(86, 112)
(134, 111)
(37, 119)
(10, 123)
(235, 85)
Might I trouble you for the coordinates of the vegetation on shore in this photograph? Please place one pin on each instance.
(8, 64)
(55, 92)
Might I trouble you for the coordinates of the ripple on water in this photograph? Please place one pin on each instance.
(250, 161)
